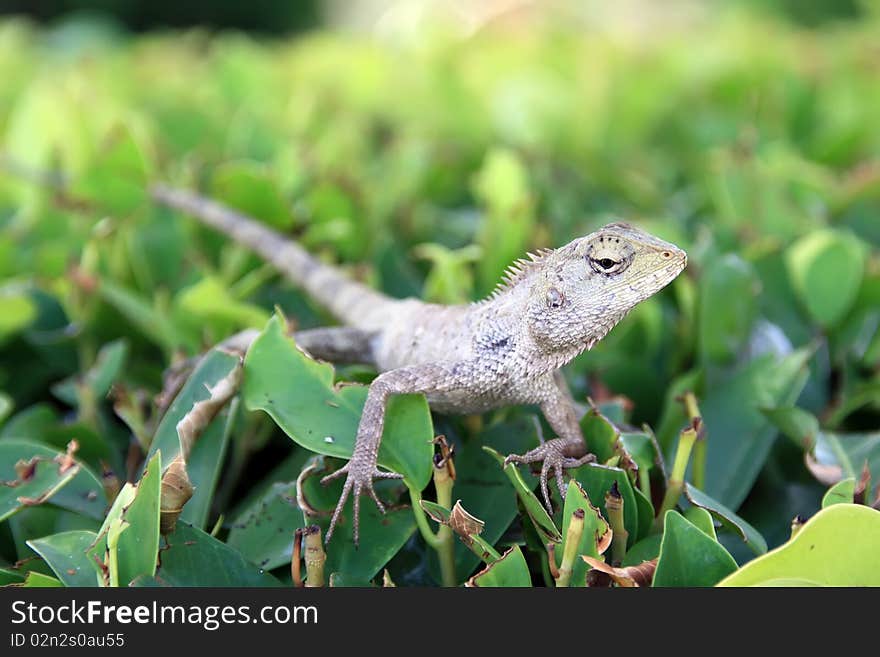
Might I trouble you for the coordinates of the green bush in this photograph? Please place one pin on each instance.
(425, 169)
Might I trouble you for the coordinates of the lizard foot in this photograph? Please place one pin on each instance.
(359, 480)
(552, 456)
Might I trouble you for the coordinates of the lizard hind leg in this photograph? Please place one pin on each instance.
(338, 344)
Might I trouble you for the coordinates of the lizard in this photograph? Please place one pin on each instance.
(505, 349)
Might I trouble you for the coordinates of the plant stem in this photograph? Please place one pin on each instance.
(421, 518)
(619, 537)
(569, 552)
(443, 481)
(693, 411)
(313, 551)
(674, 488)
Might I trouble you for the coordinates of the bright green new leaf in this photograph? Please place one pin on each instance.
(836, 547)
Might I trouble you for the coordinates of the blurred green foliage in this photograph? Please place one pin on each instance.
(425, 169)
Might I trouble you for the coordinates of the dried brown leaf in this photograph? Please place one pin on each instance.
(825, 474)
(463, 523)
(629, 576)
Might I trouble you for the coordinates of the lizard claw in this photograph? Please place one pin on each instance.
(552, 456)
(359, 481)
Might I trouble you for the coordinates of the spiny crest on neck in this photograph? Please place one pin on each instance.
(518, 271)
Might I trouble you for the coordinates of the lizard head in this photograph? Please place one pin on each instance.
(587, 286)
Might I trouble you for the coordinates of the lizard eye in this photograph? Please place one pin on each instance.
(554, 298)
(608, 266)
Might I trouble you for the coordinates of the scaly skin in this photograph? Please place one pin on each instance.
(506, 349)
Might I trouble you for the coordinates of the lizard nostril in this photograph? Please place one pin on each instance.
(667, 254)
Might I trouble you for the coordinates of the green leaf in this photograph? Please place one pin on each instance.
(335, 220)
(109, 363)
(450, 280)
(533, 506)
(728, 289)
(484, 489)
(640, 449)
(131, 528)
(31, 423)
(193, 558)
(249, 187)
(209, 300)
(40, 581)
(597, 480)
(76, 488)
(795, 423)
(117, 179)
(836, 547)
(826, 269)
(601, 435)
(740, 437)
(263, 533)
(152, 323)
(9, 576)
(299, 394)
(6, 406)
(502, 187)
(509, 571)
(17, 311)
(66, 555)
(848, 452)
(206, 458)
(381, 535)
(645, 550)
(688, 556)
(594, 528)
(702, 520)
(728, 519)
(842, 492)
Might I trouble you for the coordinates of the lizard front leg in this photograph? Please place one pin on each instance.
(361, 469)
(569, 450)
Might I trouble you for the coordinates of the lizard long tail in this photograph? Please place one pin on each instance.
(349, 301)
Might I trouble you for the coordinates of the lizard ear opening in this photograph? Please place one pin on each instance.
(555, 298)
